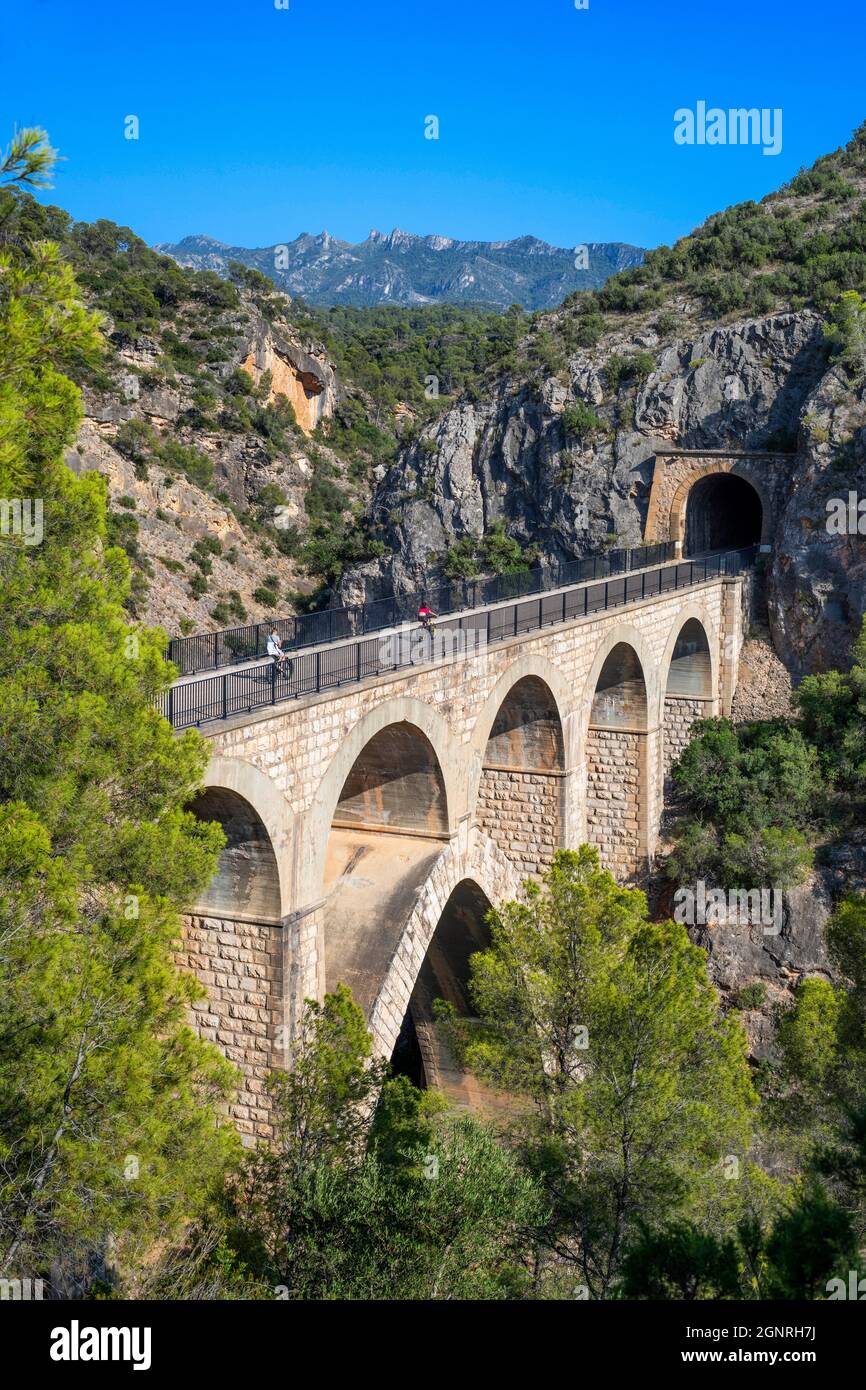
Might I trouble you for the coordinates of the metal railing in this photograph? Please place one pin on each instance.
(241, 692)
(208, 651)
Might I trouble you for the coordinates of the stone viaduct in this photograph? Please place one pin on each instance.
(370, 827)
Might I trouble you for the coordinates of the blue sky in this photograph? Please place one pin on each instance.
(258, 123)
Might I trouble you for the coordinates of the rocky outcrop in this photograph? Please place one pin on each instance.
(307, 379)
(817, 590)
(567, 487)
(763, 684)
(248, 578)
(773, 954)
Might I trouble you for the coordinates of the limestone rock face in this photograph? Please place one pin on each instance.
(817, 591)
(737, 387)
(171, 511)
(514, 457)
(307, 379)
(763, 685)
(774, 953)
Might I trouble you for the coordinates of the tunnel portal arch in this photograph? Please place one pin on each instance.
(723, 511)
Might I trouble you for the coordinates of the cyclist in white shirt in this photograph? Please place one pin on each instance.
(275, 650)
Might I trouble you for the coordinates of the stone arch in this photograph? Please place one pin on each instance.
(538, 666)
(471, 856)
(689, 660)
(712, 486)
(234, 939)
(521, 778)
(396, 783)
(421, 1051)
(247, 803)
(390, 821)
(246, 885)
(690, 671)
(620, 740)
(621, 635)
(316, 822)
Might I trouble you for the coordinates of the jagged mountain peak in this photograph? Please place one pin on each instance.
(400, 267)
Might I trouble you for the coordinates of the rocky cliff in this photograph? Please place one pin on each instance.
(199, 522)
(516, 458)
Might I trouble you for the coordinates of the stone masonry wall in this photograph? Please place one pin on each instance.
(680, 714)
(520, 811)
(613, 794)
(306, 748)
(240, 966)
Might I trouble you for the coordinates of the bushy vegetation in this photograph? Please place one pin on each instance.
(753, 798)
(107, 1098)
(492, 553)
(750, 793)
(790, 250)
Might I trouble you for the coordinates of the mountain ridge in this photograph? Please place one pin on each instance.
(400, 267)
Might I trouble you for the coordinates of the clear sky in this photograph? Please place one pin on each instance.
(257, 123)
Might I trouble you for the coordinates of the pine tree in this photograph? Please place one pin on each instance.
(608, 1025)
(108, 1137)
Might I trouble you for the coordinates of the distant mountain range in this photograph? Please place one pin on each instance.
(399, 268)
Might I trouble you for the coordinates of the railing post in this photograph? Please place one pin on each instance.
(225, 697)
(606, 586)
(358, 661)
(540, 601)
(643, 585)
(692, 572)
(515, 620)
(318, 672)
(586, 600)
(171, 705)
(564, 596)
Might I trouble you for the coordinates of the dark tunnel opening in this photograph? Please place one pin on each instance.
(723, 512)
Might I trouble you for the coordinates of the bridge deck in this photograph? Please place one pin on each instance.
(195, 700)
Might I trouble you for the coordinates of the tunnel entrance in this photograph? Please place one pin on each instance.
(723, 512)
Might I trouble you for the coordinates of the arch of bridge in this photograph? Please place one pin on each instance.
(315, 824)
(699, 613)
(562, 691)
(627, 635)
(248, 781)
(471, 855)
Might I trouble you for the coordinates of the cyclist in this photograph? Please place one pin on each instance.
(426, 616)
(275, 651)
